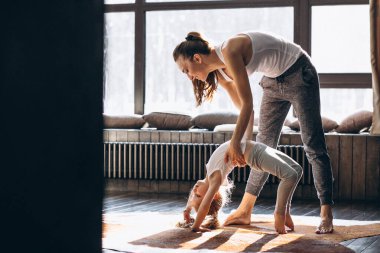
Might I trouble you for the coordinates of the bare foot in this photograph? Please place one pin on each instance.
(238, 218)
(289, 221)
(279, 223)
(242, 216)
(326, 226)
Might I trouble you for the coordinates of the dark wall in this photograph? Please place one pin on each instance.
(51, 182)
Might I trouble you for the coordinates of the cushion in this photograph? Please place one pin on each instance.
(210, 120)
(355, 122)
(230, 128)
(327, 124)
(133, 121)
(294, 125)
(168, 121)
(287, 122)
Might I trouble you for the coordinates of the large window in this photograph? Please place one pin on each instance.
(339, 103)
(119, 63)
(167, 88)
(141, 76)
(340, 43)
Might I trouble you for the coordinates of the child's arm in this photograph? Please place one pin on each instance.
(186, 212)
(214, 185)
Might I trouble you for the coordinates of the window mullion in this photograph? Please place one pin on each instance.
(140, 28)
(302, 25)
(346, 80)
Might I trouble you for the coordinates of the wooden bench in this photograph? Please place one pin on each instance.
(355, 160)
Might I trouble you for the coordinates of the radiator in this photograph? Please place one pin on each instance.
(178, 161)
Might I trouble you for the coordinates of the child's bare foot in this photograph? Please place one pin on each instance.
(279, 223)
(289, 221)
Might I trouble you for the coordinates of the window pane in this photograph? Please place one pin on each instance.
(119, 54)
(167, 88)
(119, 1)
(160, 1)
(337, 104)
(340, 39)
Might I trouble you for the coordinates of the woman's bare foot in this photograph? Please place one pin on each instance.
(279, 223)
(326, 226)
(238, 218)
(242, 216)
(289, 221)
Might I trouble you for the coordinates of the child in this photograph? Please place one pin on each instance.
(206, 193)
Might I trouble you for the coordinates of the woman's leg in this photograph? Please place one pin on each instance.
(307, 105)
(273, 111)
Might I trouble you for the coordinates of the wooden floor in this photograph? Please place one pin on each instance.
(126, 203)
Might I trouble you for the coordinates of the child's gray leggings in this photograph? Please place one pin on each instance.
(266, 159)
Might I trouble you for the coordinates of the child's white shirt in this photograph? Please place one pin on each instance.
(216, 161)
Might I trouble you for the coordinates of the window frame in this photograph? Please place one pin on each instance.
(302, 34)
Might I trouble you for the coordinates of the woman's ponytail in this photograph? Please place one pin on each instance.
(194, 43)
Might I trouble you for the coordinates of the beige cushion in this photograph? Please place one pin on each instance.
(134, 121)
(355, 122)
(230, 128)
(327, 124)
(168, 121)
(210, 120)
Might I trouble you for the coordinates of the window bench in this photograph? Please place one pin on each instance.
(355, 160)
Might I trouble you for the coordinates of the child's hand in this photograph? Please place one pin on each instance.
(200, 229)
(187, 222)
(186, 216)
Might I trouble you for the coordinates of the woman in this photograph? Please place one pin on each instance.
(289, 79)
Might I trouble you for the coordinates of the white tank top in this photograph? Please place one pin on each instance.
(272, 55)
(216, 162)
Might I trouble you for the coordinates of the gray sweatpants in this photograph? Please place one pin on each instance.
(300, 89)
(269, 160)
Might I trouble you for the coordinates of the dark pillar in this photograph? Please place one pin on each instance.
(51, 68)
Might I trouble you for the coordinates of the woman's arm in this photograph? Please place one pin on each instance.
(249, 131)
(235, 64)
(229, 86)
(231, 91)
(214, 185)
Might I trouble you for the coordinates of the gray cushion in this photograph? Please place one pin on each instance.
(210, 120)
(133, 121)
(327, 124)
(355, 122)
(168, 121)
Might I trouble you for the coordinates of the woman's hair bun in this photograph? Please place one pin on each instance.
(191, 36)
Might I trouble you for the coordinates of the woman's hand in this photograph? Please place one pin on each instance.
(200, 229)
(235, 155)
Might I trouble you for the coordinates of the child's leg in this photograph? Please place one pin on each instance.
(282, 166)
(278, 164)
